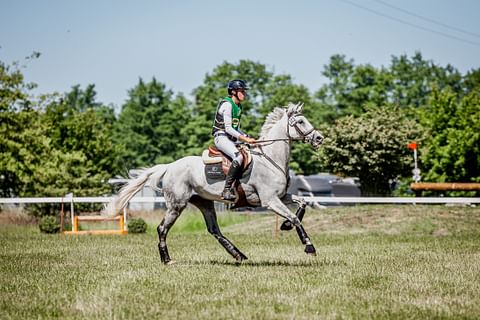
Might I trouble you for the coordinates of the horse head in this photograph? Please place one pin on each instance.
(300, 128)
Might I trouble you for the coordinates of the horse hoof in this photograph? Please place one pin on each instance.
(240, 258)
(286, 226)
(170, 263)
(310, 250)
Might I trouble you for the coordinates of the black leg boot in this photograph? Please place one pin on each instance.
(233, 173)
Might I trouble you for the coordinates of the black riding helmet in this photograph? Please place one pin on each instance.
(236, 84)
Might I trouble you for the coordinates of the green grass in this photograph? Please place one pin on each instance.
(374, 262)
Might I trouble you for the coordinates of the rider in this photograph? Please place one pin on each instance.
(227, 133)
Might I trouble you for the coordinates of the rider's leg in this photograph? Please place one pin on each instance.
(233, 173)
(228, 147)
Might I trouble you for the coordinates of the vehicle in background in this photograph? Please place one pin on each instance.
(323, 185)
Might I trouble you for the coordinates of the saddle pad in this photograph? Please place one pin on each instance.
(214, 173)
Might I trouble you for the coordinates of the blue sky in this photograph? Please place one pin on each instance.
(113, 43)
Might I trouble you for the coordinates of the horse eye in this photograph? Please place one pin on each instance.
(300, 121)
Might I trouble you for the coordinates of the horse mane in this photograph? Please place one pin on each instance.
(272, 118)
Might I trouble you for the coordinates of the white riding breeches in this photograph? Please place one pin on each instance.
(227, 146)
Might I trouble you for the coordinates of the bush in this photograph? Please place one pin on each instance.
(49, 224)
(372, 147)
(137, 225)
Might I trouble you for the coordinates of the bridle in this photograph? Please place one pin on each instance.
(292, 122)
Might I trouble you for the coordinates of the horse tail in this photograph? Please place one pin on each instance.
(151, 175)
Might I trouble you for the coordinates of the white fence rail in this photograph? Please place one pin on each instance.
(322, 200)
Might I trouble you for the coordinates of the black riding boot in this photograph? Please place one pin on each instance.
(234, 172)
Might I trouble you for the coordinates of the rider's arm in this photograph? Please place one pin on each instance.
(241, 132)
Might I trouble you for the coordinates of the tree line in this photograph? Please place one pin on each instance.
(55, 143)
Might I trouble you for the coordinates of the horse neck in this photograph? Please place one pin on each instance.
(278, 151)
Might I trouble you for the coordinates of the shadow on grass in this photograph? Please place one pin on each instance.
(314, 262)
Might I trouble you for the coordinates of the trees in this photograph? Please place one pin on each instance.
(413, 79)
(80, 130)
(406, 83)
(54, 144)
(446, 100)
(351, 88)
(451, 150)
(371, 147)
(22, 148)
(150, 124)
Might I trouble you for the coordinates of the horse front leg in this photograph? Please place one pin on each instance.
(290, 199)
(281, 209)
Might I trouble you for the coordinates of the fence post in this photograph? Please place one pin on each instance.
(124, 221)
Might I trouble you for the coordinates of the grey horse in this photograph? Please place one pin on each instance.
(184, 181)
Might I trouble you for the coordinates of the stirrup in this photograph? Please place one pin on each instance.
(228, 195)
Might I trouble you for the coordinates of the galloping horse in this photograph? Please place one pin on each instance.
(184, 181)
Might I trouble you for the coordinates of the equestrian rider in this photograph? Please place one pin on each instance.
(227, 133)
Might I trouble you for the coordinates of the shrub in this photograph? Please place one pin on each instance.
(49, 224)
(372, 147)
(137, 225)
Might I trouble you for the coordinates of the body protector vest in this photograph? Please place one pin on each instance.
(219, 123)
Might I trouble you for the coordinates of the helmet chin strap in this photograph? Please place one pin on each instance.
(236, 96)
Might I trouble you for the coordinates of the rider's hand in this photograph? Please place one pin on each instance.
(248, 139)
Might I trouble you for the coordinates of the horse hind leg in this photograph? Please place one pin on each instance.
(173, 212)
(208, 210)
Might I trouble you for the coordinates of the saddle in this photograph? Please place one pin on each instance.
(217, 165)
(212, 156)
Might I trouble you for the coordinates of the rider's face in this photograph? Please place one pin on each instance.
(241, 94)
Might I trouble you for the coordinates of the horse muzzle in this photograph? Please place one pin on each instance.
(316, 140)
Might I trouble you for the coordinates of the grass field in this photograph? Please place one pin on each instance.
(374, 262)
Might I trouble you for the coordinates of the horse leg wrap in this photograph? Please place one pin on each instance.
(164, 256)
(302, 234)
(237, 254)
(309, 248)
(287, 225)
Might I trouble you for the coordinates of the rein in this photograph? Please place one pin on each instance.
(269, 159)
(271, 140)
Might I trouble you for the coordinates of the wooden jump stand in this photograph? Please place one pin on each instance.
(418, 187)
(121, 221)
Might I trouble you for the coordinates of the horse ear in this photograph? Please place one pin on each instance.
(299, 107)
(291, 109)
